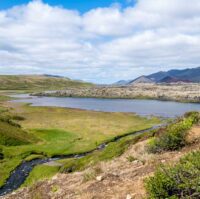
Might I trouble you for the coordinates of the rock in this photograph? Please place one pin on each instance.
(163, 161)
(136, 161)
(99, 178)
(128, 196)
(54, 177)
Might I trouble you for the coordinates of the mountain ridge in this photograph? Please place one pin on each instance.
(188, 75)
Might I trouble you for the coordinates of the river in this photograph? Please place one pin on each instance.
(139, 106)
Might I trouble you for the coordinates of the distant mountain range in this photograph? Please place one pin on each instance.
(171, 76)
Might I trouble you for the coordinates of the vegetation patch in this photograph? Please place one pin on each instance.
(114, 149)
(131, 158)
(40, 172)
(11, 134)
(4, 98)
(173, 136)
(33, 157)
(179, 181)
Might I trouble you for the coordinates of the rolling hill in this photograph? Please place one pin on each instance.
(38, 82)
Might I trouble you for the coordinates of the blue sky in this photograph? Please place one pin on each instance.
(98, 40)
(81, 5)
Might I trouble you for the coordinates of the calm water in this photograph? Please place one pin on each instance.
(141, 107)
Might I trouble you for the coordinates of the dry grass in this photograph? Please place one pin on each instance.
(87, 124)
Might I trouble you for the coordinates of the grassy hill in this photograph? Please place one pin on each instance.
(11, 133)
(38, 82)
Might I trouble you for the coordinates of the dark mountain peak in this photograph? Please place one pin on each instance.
(184, 75)
(170, 79)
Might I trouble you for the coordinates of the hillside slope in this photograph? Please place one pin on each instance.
(11, 133)
(141, 79)
(122, 177)
(37, 82)
(188, 75)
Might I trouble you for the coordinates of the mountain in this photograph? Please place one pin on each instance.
(171, 76)
(158, 76)
(38, 82)
(186, 75)
(170, 79)
(141, 79)
(58, 76)
(121, 82)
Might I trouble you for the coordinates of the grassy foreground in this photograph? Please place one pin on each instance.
(50, 131)
(173, 135)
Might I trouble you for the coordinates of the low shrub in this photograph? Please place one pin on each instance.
(131, 158)
(174, 136)
(18, 117)
(179, 181)
(1, 153)
(89, 176)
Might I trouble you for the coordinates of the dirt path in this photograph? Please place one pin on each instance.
(121, 178)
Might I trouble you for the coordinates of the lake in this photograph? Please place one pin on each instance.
(138, 106)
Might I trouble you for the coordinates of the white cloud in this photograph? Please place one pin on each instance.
(102, 45)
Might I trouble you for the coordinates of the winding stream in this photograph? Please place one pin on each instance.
(19, 175)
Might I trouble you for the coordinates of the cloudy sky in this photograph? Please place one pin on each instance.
(96, 40)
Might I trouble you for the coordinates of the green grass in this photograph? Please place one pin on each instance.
(33, 157)
(41, 172)
(11, 135)
(37, 82)
(54, 135)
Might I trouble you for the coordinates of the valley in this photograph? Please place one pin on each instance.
(29, 133)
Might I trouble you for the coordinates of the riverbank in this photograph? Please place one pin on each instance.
(174, 92)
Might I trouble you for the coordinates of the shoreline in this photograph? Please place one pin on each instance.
(184, 93)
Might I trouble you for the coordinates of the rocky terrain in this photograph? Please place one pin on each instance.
(183, 92)
(121, 178)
